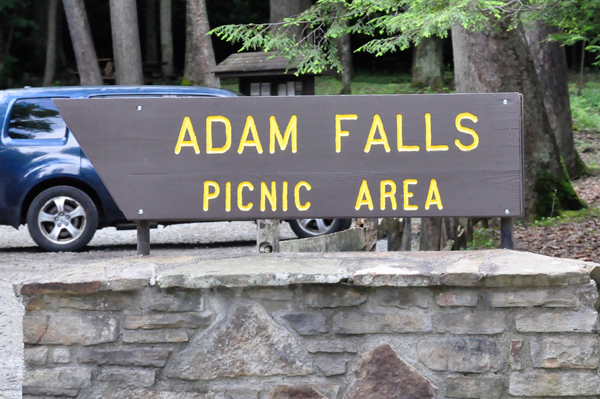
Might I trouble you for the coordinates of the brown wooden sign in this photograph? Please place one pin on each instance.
(303, 157)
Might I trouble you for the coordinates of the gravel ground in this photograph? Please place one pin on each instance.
(20, 259)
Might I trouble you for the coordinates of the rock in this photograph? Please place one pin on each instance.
(523, 269)
(474, 387)
(170, 300)
(61, 355)
(328, 296)
(70, 330)
(342, 241)
(106, 390)
(294, 392)
(540, 383)
(546, 297)
(404, 298)
(271, 294)
(127, 378)
(458, 297)
(461, 355)
(155, 321)
(470, 323)
(393, 273)
(154, 336)
(336, 346)
(247, 342)
(35, 355)
(330, 365)
(253, 271)
(381, 374)
(372, 323)
(125, 357)
(65, 381)
(98, 301)
(565, 352)
(547, 322)
(515, 354)
(307, 323)
(464, 272)
(36, 303)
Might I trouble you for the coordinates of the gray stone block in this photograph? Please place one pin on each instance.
(61, 355)
(106, 390)
(461, 355)
(170, 300)
(125, 357)
(65, 381)
(35, 355)
(332, 296)
(540, 383)
(127, 378)
(582, 322)
(307, 323)
(578, 352)
(70, 330)
(295, 392)
(458, 297)
(271, 294)
(177, 320)
(372, 323)
(404, 298)
(99, 301)
(334, 346)
(343, 241)
(330, 365)
(470, 323)
(154, 336)
(545, 297)
(474, 387)
(393, 273)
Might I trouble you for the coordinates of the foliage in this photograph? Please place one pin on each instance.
(585, 108)
(400, 22)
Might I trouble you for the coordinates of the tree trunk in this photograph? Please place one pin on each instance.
(83, 45)
(151, 32)
(202, 52)
(281, 9)
(126, 42)
(345, 54)
(166, 38)
(495, 61)
(431, 234)
(551, 66)
(192, 73)
(51, 44)
(428, 64)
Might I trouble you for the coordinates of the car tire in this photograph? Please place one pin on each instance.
(62, 218)
(307, 228)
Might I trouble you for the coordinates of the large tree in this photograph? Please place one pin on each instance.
(428, 64)
(51, 43)
(200, 57)
(83, 45)
(166, 38)
(151, 35)
(126, 42)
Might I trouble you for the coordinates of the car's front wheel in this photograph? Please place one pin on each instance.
(62, 218)
(306, 228)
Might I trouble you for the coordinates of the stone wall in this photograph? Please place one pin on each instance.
(491, 325)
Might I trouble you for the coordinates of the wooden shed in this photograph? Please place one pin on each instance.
(266, 74)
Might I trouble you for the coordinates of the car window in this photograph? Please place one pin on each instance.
(36, 118)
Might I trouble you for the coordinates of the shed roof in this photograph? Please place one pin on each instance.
(257, 63)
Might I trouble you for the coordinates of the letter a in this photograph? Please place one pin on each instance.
(364, 197)
(433, 191)
(181, 142)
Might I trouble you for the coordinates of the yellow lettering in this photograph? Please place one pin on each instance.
(255, 142)
(364, 197)
(192, 142)
(433, 191)
(208, 195)
(299, 206)
(408, 195)
(290, 131)
(228, 196)
(284, 197)
(462, 129)
(338, 129)
(377, 125)
(428, 145)
(209, 136)
(401, 146)
(384, 193)
(264, 194)
(240, 200)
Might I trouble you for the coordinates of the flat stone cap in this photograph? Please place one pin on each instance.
(499, 268)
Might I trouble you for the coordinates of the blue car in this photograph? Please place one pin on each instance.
(47, 182)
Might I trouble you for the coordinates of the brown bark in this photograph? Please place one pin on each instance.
(150, 15)
(126, 42)
(551, 66)
(83, 45)
(428, 64)
(345, 54)
(192, 72)
(201, 52)
(281, 9)
(51, 44)
(495, 61)
(166, 38)
(430, 238)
